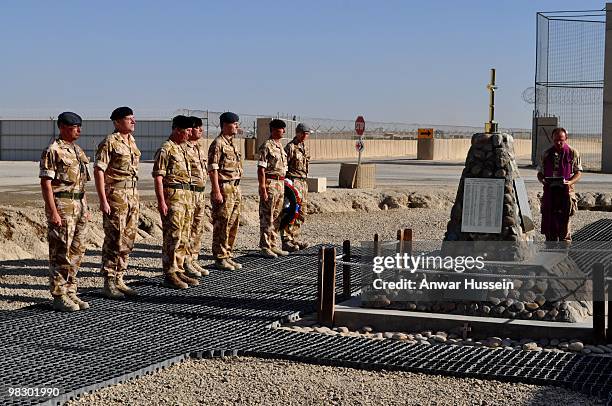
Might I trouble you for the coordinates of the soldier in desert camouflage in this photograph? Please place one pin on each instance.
(225, 171)
(172, 177)
(271, 168)
(197, 155)
(63, 174)
(116, 176)
(298, 158)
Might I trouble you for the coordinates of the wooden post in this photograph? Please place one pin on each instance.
(320, 283)
(599, 305)
(346, 269)
(376, 245)
(404, 237)
(609, 333)
(408, 240)
(329, 286)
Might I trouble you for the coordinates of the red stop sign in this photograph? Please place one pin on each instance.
(359, 125)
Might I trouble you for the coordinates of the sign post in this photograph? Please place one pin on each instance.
(359, 145)
(359, 129)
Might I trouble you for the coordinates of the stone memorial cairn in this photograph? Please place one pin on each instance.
(491, 156)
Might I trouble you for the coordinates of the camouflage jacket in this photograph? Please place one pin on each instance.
(224, 156)
(197, 157)
(118, 159)
(298, 157)
(273, 158)
(66, 165)
(172, 162)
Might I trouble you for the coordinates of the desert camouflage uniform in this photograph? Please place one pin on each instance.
(119, 161)
(224, 156)
(273, 158)
(197, 156)
(298, 157)
(66, 165)
(172, 162)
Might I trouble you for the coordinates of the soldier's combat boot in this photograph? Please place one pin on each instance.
(267, 253)
(235, 264)
(279, 252)
(123, 288)
(224, 265)
(173, 281)
(188, 280)
(83, 305)
(201, 270)
(191, 269)
(63, 303)
(110, 289)
(290, 247)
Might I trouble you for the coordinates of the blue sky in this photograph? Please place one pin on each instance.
(402, 61)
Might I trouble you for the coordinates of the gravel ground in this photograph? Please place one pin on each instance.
(253, 381)
(25, 281)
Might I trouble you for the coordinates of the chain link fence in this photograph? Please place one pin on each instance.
(569, 76)
(345, 129)
(24, 138)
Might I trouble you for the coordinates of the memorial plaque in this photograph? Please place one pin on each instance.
(523, 201)
(483, 205)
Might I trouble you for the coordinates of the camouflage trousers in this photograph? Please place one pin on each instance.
(198, 219)
(291, 232)
(120, 228)
(176, 229)
(270, 214)
(226, 218)
(66, 245)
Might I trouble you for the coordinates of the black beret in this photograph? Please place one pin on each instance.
(121, 112)
(69, 118)
(228, 117)
(181, 122)
(195, 121)
(276, 123)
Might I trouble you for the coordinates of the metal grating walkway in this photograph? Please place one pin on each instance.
(230, 313)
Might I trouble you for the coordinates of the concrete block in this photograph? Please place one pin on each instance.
(263, 131)
(351, 178)
(425, 148)
(249, 149)
(317, 185)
